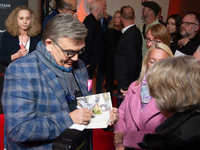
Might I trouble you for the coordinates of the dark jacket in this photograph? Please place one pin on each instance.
(179, 132)
(189, 48)
(10, 45)
(128, 58)
(93, 41)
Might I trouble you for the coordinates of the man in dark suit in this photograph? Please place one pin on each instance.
(93, 41)
(128, 58)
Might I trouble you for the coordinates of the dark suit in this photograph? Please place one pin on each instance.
(10, 45)
(128, 57)
(93, 44)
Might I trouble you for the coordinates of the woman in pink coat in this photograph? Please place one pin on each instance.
(138, 114)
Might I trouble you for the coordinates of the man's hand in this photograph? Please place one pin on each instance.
(123, 92)
(114, 117)
(182, 42)
(81, 116)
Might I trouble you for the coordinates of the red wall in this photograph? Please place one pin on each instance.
(183, 6)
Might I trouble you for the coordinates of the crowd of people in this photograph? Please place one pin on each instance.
(156, 65)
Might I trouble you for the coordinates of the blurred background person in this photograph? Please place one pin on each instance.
(189, 40)
(197, 53)
(128, 57)
(22, 26)
(111, 37)
(138, 114)
(149, 16)
(64, 6)
(174, 83)
(173, 26)
(157, 34)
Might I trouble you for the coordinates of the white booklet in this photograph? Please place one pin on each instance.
(100, 104)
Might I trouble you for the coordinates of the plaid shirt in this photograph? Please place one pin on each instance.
(34, 104)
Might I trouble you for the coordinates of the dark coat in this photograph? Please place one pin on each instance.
(179, 132)
(10, 45)
(93, 41)
(128, 58)
(189, 48)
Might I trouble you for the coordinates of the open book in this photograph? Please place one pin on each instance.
(100, 104)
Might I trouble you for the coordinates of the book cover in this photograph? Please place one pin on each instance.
(100, 104)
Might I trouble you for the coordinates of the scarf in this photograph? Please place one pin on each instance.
(145, 95)
(65, 75)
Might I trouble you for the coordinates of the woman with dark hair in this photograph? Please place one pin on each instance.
(111, 37)
(173, 26)
(174, 83)
(22, 27)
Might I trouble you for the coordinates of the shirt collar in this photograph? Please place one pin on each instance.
(126, 28)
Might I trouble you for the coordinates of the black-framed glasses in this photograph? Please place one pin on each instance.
(72, 53)
(187, 23)
(154, 41)
(74, 10)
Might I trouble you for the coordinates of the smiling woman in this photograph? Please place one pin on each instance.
(22, 27)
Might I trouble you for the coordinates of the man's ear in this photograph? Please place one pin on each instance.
(49, 45)
(197, 28)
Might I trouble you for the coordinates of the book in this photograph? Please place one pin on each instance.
(100, 104)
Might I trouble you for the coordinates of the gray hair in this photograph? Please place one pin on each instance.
(64, 25)
(174, 83)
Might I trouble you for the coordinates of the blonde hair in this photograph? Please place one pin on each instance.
(112, 23)
(160, 32)
(160, 46)
(174, 83)
(12, 24)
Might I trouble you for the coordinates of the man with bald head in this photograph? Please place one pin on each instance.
(189, 40)
(128, 57)
(64, 6)
(93, 41)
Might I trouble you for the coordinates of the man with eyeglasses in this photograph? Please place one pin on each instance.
(189, 40)
(40, 90)
(149, 17)
(64, 6)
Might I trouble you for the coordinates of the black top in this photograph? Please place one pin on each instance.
(180, 131)
(93, 41)
(10, 45)
(111, 37)
(189, 48)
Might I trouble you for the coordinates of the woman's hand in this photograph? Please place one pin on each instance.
(118, 137)
(114, 117)
(19, 54)
(81, 116)
(120, 147)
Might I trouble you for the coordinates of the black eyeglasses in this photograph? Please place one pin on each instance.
(74, 10)
(72, 53)
(152, 41)
(187, 23)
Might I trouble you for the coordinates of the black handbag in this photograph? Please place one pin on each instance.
(70, 139)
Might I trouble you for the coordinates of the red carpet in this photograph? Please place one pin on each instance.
(1, 131)
(103, 140)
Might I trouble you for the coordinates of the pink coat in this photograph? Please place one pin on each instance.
(131, 117)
